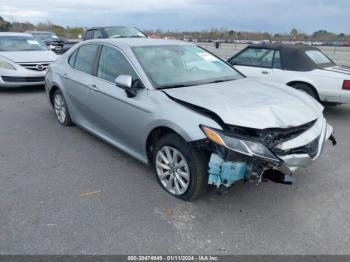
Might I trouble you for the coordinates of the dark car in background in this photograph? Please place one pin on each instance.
(113, 32)
(55, 43)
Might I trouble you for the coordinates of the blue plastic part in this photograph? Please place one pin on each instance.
(232, 172)
(225, 173)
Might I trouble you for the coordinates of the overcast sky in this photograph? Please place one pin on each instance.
(251, 15)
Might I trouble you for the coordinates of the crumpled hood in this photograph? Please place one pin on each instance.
(29, 56)
(253, 103)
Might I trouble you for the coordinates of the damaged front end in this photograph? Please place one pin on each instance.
(239, 153)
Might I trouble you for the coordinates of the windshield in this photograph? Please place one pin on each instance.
(318, 57)
(123, 31)
(20, 43)
(182, 65)
(45, 36)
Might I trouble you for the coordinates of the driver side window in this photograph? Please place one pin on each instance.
(258, 57)
(112, 64)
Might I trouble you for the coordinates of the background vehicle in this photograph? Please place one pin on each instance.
(302, 67)
(55, 43)
(23, 60)
(112, 32)
(180, 108)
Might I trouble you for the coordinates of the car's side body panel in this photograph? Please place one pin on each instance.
(258, 72)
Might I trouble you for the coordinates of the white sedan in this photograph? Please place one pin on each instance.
(304, 68)
(23, 60)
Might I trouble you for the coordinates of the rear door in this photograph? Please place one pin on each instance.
(254, 62)
(79, 83)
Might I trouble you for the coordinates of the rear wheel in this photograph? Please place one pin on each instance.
(180, 169)
(307, 89)
(61, 109)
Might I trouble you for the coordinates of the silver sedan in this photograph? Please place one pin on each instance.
(23, 60)
(186, 112)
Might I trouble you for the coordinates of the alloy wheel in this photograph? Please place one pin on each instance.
(60, 108)
(173, 170)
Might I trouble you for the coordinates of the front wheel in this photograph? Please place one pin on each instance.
(180, 169)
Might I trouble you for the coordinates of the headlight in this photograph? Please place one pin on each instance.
(242, 146)
(52, 47)
(6, 65)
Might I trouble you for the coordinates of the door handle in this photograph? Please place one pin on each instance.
(265, 72)
(65, 75)
(93, 87)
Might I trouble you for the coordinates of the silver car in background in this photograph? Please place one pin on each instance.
(23, 60)
(191, 115)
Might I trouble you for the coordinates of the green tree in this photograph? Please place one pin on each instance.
(5, 26)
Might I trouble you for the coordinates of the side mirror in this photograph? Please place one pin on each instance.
(125, 82)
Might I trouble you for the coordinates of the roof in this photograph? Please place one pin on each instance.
(131, 42)
(102, 27)
(293, 57)
(278, 46)
(14, 34)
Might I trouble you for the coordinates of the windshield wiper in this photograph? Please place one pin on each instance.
(219, 81)
(172, 86)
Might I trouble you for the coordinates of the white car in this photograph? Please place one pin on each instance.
(23, 60)
(302, 67)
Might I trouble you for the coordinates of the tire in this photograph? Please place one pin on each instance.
(194, 163)
(307, 89)
(61, 109)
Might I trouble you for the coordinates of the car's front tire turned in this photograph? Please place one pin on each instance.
(180, 169)
(61, 109)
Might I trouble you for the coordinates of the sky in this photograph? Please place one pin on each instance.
(274, 16)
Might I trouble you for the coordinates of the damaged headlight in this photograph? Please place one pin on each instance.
(239, 145)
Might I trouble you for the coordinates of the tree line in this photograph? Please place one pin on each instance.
(203, 35)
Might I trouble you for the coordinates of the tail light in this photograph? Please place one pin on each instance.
(346, 85)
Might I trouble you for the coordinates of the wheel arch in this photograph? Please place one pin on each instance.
(303, 82)
(52, 92)
(155, 134)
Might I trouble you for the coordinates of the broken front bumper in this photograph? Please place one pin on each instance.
(314, 138)
(227, 166)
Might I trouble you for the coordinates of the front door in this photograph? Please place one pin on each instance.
(118, 117)
(254, 62)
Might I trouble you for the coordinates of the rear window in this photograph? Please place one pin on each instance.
(85, 58)
(318, 57)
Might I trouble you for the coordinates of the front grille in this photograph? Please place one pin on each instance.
(272, 136)
(35, 66)
(14, 79)
(310, 149)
